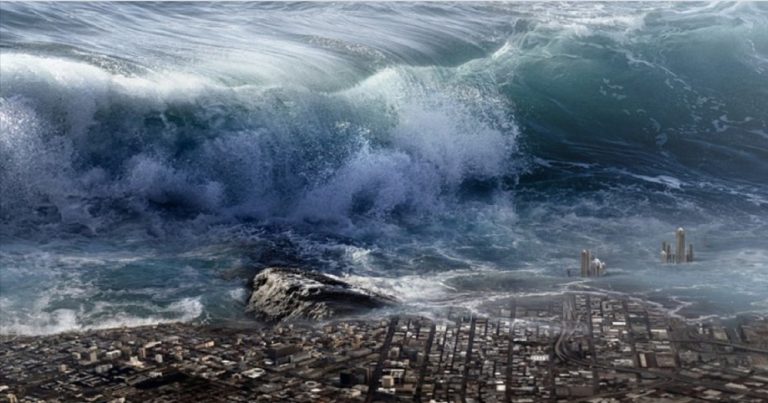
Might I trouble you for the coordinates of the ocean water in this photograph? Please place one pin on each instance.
(154, 156)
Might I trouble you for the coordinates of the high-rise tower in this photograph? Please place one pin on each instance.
(680, 252)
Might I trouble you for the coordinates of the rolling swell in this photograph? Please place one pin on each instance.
(679, 89)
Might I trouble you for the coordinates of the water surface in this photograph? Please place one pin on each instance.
(153, 155)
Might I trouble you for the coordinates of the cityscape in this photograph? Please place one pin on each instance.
(580, 347)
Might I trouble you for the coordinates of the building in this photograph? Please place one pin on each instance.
(681, 255)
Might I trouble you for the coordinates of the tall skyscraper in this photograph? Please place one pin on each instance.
(680, 252)
(585, 258)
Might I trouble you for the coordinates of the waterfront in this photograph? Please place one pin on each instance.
(579, 347)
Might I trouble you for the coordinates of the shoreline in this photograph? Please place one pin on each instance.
(538, 348)
(669, 306)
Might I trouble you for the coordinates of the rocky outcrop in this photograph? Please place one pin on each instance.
(285, 293)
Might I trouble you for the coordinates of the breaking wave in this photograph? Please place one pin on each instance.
(94, 147)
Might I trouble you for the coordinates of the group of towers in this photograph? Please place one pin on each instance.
(680, 255)
(591, 266)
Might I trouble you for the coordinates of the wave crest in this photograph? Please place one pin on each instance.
(403, 140)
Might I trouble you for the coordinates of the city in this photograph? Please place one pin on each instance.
(579, 347)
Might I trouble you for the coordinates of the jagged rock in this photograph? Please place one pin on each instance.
(285, 293)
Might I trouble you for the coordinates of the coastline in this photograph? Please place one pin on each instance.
(540, 348)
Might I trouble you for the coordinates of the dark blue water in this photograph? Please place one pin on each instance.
(152, 156)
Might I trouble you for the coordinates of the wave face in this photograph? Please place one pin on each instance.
(468, 148)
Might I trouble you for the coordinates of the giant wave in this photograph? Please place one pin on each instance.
(468, 148)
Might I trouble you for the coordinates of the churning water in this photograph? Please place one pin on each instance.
(151, 155)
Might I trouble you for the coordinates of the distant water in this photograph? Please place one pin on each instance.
(452, 154)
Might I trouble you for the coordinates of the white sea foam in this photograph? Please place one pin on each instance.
(44, 322)
(665, 180)
(238, 294)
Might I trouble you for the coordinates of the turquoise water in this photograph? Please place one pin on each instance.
(153, 156)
